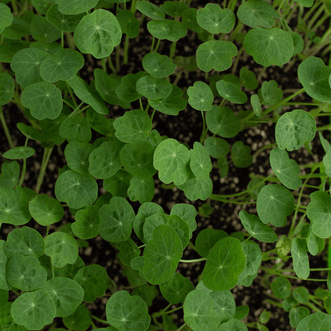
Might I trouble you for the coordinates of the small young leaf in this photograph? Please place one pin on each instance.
(128, 22)
(200, 162)
(173, 8)
(231, 92)
(206, 240)
(44, 31)
(79, 320)
(75, 128)
(241, 155)
(158, 66)
(216, 147)
(297, 314)
(128, 251)
(187, 213)
(126, 91)
(301, 294)
(270, 92)
(118, 184)
(150, 10)
(10, 174)
(256, 105)
(281, 287)
(77, 156)
(200, 96)
(20, 152)
(248, 79)
(7, 87)
(74, 7)
(153, 88)
(233, 324)
(86, 223)
(167, 29)
(141, 190)
(189, 19)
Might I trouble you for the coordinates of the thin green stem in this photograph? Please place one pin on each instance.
(117, 58)
(152, 46)
(316, 16)
(103, 63)
(76, 109)
(62, 38)
(46, 157)
(52, 268)
(182, 327)
(157, 45)
(99, 319)
(202, 137)
(141, 104)
(193, 261)
(173, 49)
(262, 149)
(110, 65)
(72, 96)
(5, 128)
(126, 50)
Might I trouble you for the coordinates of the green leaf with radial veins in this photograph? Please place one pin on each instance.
(286, 170)
(74, 7)
(199, 312)
(10, 174)
(6, 17)
(66, 23)
(26, 65)
(316, 321)
(116, 220)
(14, 206)
(92, 279)
(172, 104)
(271, 93)
(128, 251)
(43, 99)
(172, 160)
(157, 65)
(225, 262)
(256, 228)
(215, 54)
(44, 31)
(132, 126)
(25, 272)
(137, 159)
(141, 190)
(256, 13)
(86, 223)
(167, 29)
(7, 88)
(162, 254)
(300, 258)
(66, 293)
(128, 22)
(24, 241)
(127, 313)
(88, 95)
(98, 33)
(223, 121)
(241, 155)
(231, 92)
(294, 128)
(153, 88)
(319, 213)
(62, 248)
(297, 314)
(187, 213)
(63, 65)
(19, 152)
(105, 161)
(216, 147)
(233, 324)
(77, 156)
(281, 287)
(301, 294)
(274, 203)
(33, 310)
(224, 304)
(216, 20)
(118, 184)
(176, 288)
(200, 162)
(76, 190)
(269, 46)
(76, 128)
(173, 8)
(200, 96)
(248, 78)
(79, 320)
(314, 76)
(150, 10)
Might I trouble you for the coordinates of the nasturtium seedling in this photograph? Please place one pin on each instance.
(77, 156)
(153, 88)
(16, 153)
(150, 10)
(74, 7)
(158, 66)
(75, 128)
(270, 92)
(10, 174)
(200, 96)
(126, 91)
(241, 155)
(118, 184)
(317, 320)
(294, 128)
(141, 190)
(128, 22)
(167, 29)
(86, 223)
(42, 30)
(281, 287)
(297, 314)
(231, 92)
(248, 78)
(216, 147)
(206, 240)
(174, 8)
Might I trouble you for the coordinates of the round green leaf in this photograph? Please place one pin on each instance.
(297, 314)
(128, 22)
(127, 312)
(153, 88)
(66, 23)
(256, 105)
(6, 17)
(25, 272)
(270, 93)
(274, 203)
(206, 240)
(197, 188)
(316, 321)
(314, 244)
(150, 10)
(74, 7)
(79, 320)
(172, 159)
(88, 95)
(92, 279)
(224, 304)
(241, 155)
(248, 78)
(187, 213)
(126, 91)
(141, 190)
(256, 13)
(223, 121)
(173, 8)
(199, 313)
(281, 287)
(286, 170)
(176, 288)
(319, 213)
(216, 147)
(314, 76)
(157, 65)
(118, 184)
(162, 254)
(66, 294)
(231, 92)
(7, 86)
(137, 159)
(33, 310)
(200, 96)
(216, 20)
(200, 162)
(43, 99)
(97, 33)
(10, 174)
(215, 54)
(167, 29)
(63, 65)
(225, 262)
(20, 152)
(76, 190)
(116, 220)
(26, 65)
(75, 128)
(44, 31)
(62, 248)
(269, 46)
(294, 128)
(24, 241)
(86, 223)
(301, 294)
(233, 324)
(132, 126)
(256, 228)
(190, 20)
(77, 156)
(128, 251)
(104, 161)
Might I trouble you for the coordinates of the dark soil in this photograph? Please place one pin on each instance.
(187, 128)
